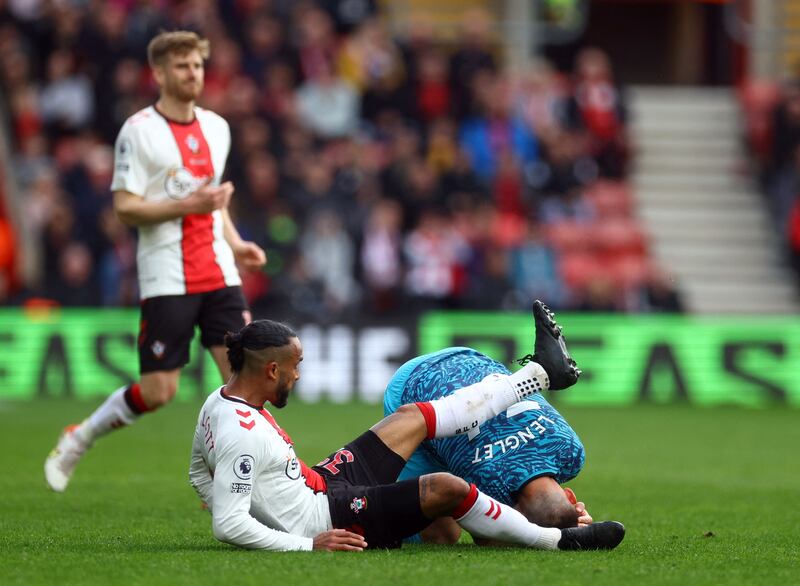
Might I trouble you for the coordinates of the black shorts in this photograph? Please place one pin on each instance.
(364, 496)
(167, 325)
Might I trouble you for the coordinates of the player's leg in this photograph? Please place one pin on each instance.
(166, 330)
(222, 311)
(447, 495)
(386, 514)
(220, 356)
(468, 407)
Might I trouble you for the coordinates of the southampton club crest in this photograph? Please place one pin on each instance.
(192, 143)
(358, 504)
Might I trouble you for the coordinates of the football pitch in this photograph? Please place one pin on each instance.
(708, 496)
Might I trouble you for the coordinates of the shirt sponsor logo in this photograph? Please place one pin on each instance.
(292, 465)
(243, 467)
(180, 182)
(240, 488)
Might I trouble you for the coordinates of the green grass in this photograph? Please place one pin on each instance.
(674, 475)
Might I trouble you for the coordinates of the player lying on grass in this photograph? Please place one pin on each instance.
(261, 496)
(519, 458)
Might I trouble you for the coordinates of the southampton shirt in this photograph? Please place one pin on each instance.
(157, 159)
(243, 466)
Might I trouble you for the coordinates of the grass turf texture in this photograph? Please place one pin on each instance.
(709, 496)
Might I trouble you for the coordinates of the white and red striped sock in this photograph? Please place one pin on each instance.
(484, 517)
(469, 407)
(121, 408)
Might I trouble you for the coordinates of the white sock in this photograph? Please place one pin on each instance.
(489, 519)
(469, 407)
(112, 414)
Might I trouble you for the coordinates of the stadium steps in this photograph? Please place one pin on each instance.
(707, 220)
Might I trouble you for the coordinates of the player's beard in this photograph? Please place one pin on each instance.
(185, 91)
(282, 392)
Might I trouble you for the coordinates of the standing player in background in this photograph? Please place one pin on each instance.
(519, 457)
(169, 160)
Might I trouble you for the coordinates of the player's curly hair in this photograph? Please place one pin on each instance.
(257, 335)
(179, 42)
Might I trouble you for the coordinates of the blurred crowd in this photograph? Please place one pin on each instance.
(772, 114)
(381, 174)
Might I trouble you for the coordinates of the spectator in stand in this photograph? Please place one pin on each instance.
(328, 106)
(783, 182)
(598, 106)
(540, 100)
(436, 256)
(474, 54)
(495, 130)
(433, 99)
(381, 256)
(316, 40)
(794, 236)
(371, 61)
(534, 272)
(329, 255)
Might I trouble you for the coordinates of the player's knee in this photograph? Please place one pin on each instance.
(412, 414)
(441, 493)
(159, 393)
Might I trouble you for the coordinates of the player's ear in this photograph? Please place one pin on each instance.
(158, 74)
(272, 370)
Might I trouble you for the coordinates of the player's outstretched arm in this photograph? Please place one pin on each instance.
(135, 210)
(339, 540)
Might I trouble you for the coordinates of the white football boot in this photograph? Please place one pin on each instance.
(61, 462)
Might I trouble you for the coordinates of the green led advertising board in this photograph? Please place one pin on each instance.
(81, 353)
(704, 360)
(750, 361)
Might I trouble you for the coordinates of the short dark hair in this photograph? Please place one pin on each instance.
(178, 42)
(257, 335)
(550, 510)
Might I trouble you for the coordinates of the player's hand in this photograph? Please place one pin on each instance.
(339, 540)
(250, 256)
(208, 198)
(584, 518)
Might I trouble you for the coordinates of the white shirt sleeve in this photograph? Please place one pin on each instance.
(239, 460)
(130, 162)
(199, 474)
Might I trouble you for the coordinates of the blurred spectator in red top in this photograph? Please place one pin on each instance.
(598, 105)
(432, 87)
(436, 255)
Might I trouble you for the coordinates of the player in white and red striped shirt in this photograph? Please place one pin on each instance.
(169, 161)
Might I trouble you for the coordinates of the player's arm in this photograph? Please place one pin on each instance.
(135, 210)
(240, 459)
(199, 474)
(249, 254)
(231, 519)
